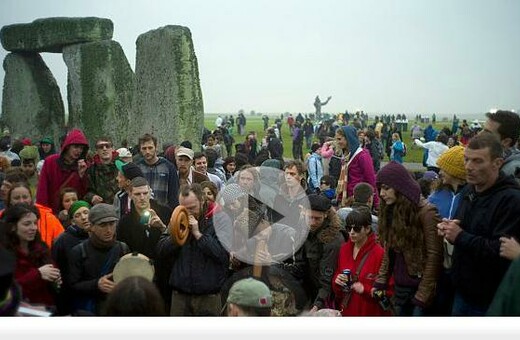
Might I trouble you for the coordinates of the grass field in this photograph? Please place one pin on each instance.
(255, 123)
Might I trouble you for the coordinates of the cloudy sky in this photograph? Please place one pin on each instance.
(395, 56)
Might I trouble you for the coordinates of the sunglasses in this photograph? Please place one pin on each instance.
(356, 228)
(103, 146)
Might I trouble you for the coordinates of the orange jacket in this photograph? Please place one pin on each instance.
(49, 225)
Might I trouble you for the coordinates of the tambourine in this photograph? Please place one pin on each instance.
(133, 264)
(179, 226)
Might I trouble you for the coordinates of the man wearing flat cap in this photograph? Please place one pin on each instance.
(93, 260)
(316, 260)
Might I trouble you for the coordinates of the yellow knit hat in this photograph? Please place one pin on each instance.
(451, 161)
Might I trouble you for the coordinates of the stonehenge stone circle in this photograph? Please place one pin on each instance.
(52, 34)
(31, 103)
(168, 96)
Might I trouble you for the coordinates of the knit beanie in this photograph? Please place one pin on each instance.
(76, 205)
(398, 178)
(30, 152)
(451, 161)
(47, 140)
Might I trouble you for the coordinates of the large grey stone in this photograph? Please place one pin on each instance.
(100, 89)
(32, 105)
(168, 97)
(52, 34)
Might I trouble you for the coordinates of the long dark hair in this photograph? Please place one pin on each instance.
(400, 226)
(39, 253)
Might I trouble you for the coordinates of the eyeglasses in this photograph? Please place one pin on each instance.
(103, 146)
(356, 228)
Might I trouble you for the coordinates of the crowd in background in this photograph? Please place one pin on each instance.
(380, 240)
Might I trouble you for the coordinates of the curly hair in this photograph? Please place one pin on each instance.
(400, 226)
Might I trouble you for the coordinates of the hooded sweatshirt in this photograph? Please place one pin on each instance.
(57, 175)
(484, 217)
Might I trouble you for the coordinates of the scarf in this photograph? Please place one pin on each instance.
(341, 189)
(99, 243)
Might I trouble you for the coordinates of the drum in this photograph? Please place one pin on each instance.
(134, 264)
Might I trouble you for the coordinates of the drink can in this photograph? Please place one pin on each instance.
(346, 272)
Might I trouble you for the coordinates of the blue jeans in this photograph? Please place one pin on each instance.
(462, 308)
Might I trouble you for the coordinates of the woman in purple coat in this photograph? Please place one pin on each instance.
(356, 165)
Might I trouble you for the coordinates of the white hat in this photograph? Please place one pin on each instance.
(124, 152)
(182, 151)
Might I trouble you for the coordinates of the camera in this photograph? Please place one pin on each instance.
(382, 299)
(145, 218)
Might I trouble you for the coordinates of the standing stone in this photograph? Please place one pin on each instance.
(31, 105)
(52, 34)
(168, 97)
(100, 89)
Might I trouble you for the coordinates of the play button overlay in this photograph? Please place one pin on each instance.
(266, 221)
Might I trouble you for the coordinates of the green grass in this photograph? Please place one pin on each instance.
(255, 123)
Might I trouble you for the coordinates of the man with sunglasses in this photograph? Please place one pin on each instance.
(102, 173)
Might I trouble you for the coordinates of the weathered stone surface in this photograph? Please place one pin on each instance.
(168, 97)
(31, 104)
(100, 89)
(52, 34)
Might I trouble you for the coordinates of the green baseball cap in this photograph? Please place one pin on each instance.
(250, 293)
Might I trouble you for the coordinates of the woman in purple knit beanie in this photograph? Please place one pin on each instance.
(408, 233)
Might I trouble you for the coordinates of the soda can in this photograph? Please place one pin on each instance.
(346, 272)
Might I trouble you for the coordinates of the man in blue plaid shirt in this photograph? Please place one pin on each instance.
(160, 173)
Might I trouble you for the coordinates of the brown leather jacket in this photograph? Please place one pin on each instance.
(428, 266)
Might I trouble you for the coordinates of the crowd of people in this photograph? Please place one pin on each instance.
(78, 226)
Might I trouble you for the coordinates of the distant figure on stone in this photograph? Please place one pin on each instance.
(318, 104)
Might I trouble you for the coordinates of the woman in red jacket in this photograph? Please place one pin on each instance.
(34, 270)
(362, 256)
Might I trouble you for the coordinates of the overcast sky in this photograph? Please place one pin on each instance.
(408, 56)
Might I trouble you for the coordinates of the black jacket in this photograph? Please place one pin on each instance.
(200, 266)
(86, 266)
(485, 217)
(315, 263)
(63, 245)
(141, 238)
(61, 252)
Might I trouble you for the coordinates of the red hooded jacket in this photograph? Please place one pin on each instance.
(56, 175)
(360, 304)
